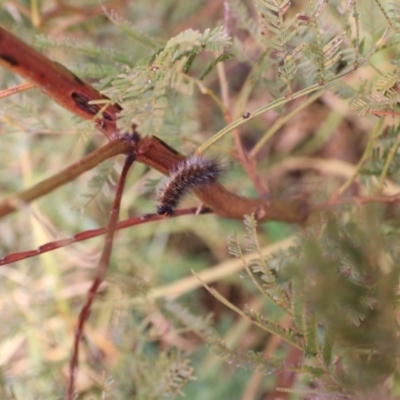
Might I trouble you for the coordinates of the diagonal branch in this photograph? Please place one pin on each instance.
(15, 201)
(88, 234)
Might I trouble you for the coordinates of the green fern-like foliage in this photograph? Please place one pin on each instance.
(248, 360)
(385, 98)
(150, 377)
(182, 317)
(299, 41)
(86, 48)
(340, 287)
(276, 34)
(101, 181)
(148, 92)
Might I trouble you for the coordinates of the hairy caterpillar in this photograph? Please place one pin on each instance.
(192, 172)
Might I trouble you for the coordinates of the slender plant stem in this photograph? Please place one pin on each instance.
(19, 199)
(364, 158)
(283, 120)
(388, 162)
(35, 13)
(101, 271)
(16, 89)
(277, 103)
(248, 164)
(79, 237)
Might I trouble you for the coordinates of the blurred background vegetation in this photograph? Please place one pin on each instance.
(318, 318)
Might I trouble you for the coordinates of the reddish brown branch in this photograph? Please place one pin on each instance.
(56, 82)
(101, 270)
(249, 164)
(75, 95)
(381, 113)
(11, 258)
(79, 237)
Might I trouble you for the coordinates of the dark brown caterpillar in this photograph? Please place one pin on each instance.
(192, 172)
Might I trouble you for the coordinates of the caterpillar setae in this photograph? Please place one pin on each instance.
(192, 172)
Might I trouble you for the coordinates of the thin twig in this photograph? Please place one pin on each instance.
(248, 165)
(282, 121)
(16, 89)
(19, 199)
(101, 270)
(364, 158)
(356, 16)
(388, 162)
(79, 237)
